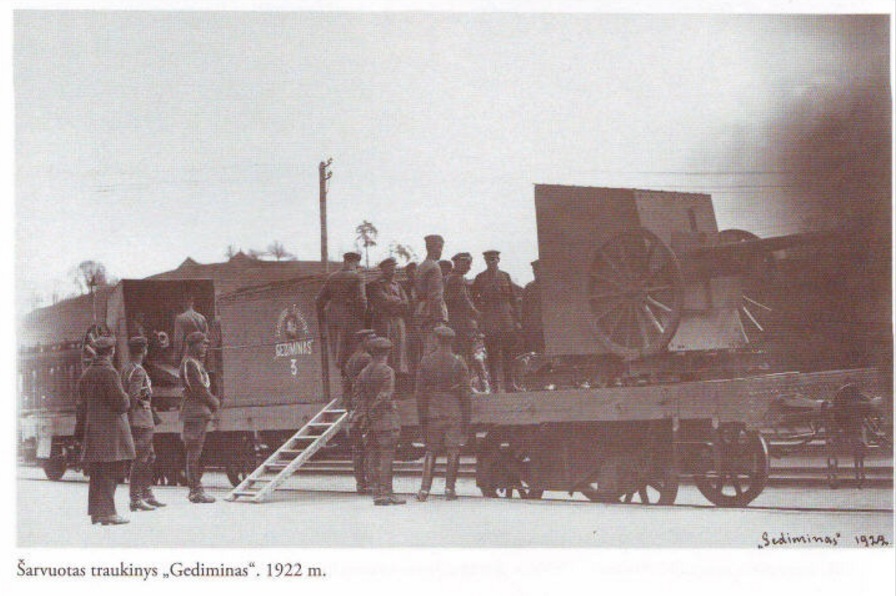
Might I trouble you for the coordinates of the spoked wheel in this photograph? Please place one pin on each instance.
(636, 294)
(500, 472)
(754, 311)
(632, 479)
(741, 472)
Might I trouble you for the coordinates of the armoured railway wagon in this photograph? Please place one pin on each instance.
(655, 365)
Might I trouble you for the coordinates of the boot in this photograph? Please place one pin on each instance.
(198, 496)
(113, 520)
(393, 500)
(451, 469)
(429, 462)
(150, 499)
(140, 505)
(362, 486)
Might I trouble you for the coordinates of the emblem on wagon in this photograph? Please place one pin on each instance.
(292, 334)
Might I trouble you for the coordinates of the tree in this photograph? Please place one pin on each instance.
(231, 251)
(403, 251)
(279, 252)
(255, 254)
(90, 275)
(366, 238)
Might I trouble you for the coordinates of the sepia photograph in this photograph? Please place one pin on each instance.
(482, 277)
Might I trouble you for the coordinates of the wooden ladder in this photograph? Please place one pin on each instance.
(283, 463)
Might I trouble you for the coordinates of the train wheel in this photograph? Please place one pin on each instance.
(54, 468)
(659, 490)
(244, 460)
(743, 470)
(500, 471)
(636, 294)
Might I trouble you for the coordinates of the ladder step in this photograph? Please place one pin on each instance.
(244, 493)
(282, 451)
(307, 437)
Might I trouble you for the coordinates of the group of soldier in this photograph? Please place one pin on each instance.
(420, 335)
(116, 419)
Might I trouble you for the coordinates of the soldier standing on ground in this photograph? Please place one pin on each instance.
(108, 445)
(187, 322)
(495, 295)
(462, 314)
(375, 391)
(443, 408)
(142, 419)
(196, 412)
(342, 303)
(530, 317)
(357, 362)
(431, 309)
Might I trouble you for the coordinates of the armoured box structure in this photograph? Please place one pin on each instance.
(616, 277)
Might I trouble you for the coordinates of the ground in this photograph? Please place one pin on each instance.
(321, 511)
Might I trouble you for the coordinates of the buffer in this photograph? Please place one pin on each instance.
(283, 463)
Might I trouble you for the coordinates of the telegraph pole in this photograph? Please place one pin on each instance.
(324, 175)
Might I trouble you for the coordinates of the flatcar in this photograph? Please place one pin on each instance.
(642, 296)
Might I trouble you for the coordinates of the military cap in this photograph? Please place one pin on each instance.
(138, 342)
(388, 261)
(462, 256)
(443, 332)
(432, 238)
(104, 342)
(491, 253)
(365, 333)
(352, 256)
(380, 344)
(196, 337)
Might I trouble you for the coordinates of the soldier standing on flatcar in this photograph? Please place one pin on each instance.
(187, 322)
(375, 391)
(142, 418)
(443, 408)
(196, 412)
(431, 309)
(411, 322)
(530, 316)
(389, 307)
(462, 313)
(108, 445)
(342, 304)
(495, 295)
(357, 362)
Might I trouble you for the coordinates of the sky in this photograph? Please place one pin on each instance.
(143, 138)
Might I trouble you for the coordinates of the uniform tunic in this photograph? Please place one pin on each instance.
(343, 302)
(139, 389)
(375, 390)
(107, 434)
(356, 363)
(495, 295)
(184, 324)
(389, 307)
(431, 308)
(461, 311)
(443, 398)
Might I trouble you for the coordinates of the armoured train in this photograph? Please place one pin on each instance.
(669, 347)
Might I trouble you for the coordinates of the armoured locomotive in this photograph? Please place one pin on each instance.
(654, 363)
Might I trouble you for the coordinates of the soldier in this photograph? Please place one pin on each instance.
(530, 317)
(431, 309)
(462, 314)
(495, 295)
(342, 302)
(108, 445)
(411, 323)
(378, 418)
(142, 418)
(357, 362)
(447, 267)
(197, 410)
(187, 322)
(389, 307)
(443, 408)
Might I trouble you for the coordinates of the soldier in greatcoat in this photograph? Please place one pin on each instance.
(378, 417)
(196, 412)
(443, 409)
(142, 420)
(431, 309)
(187, 322)
(494, 293)
(530, 315)
(108, 445)
(342, 303)
(389, 307)
(462, 313)
(357, 362)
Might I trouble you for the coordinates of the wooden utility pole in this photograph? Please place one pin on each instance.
(324, 176)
